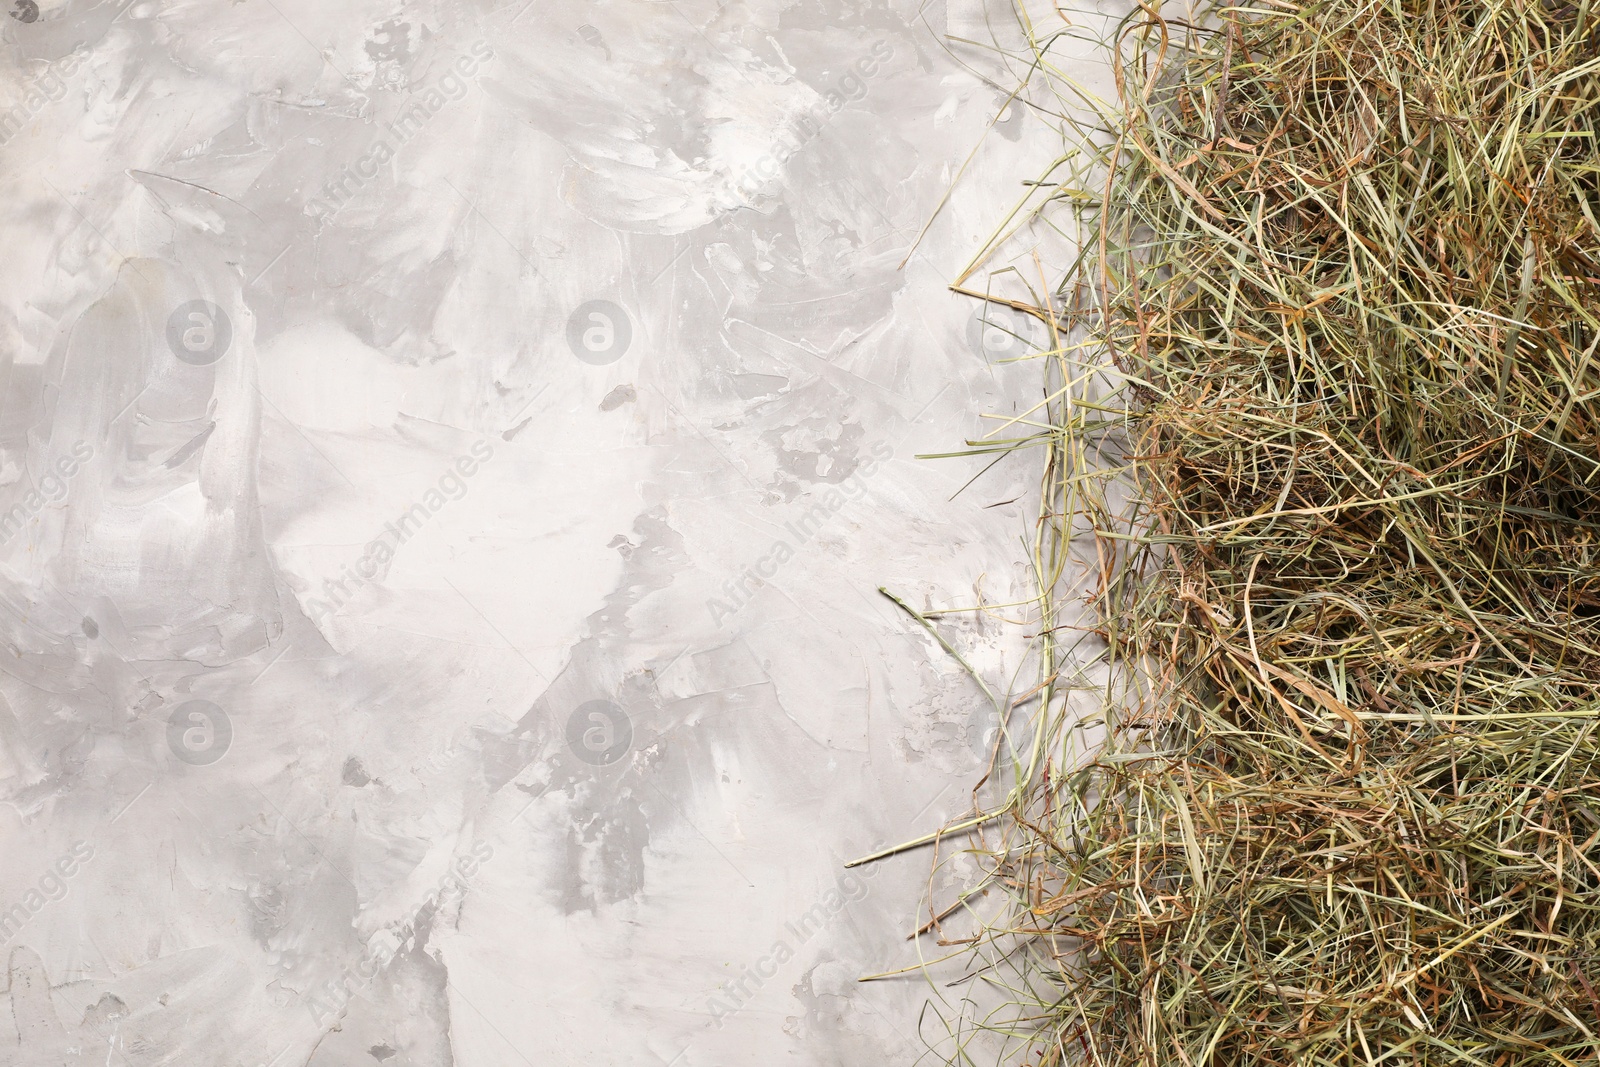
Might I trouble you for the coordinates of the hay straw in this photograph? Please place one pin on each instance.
(1324, 422)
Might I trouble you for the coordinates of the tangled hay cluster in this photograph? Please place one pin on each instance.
(1341, 261)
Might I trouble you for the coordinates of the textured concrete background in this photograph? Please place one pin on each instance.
(449, 452)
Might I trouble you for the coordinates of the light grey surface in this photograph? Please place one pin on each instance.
(564, 773)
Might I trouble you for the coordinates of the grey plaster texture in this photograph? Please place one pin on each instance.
(449, 453)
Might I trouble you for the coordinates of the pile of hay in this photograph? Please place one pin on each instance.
(1341, 264)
